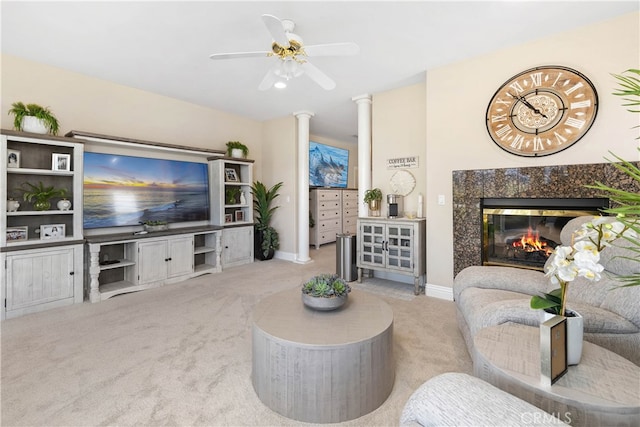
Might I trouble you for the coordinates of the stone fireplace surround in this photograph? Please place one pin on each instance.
(564, 181)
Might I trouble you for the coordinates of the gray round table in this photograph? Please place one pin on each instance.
(322, 367)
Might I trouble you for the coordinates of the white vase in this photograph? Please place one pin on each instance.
(34, 125)
(12, 205)
(237, 153)
(64, 205)
(575, 335)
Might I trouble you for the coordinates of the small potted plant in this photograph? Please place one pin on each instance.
(373, 198)
(325, 292)
(154, 225)
(33, 118)
(41, 194)
(237, 149)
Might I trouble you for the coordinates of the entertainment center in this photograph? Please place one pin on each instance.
(93, 246)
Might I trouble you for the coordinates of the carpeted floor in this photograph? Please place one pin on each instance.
(181, 354)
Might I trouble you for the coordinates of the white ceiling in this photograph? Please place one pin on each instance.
(164, 46)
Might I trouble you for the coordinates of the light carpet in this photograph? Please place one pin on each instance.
(181, 354)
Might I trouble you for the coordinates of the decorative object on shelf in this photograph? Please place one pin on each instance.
(228, 218)
(243, 198)
(542, 111)
(373, 198)
(41, 194)
(13, 158)
(325, 292)
(581, 259)
(52, 231)
(237, 149)
(20, 232)
(12, 205)
(402, 182)
(575, 333)
(61, 162)
(33, 118)
(152, 226)
(230, 175)
(231, 195)
(266, 239)
(553, 349)
(64, 204)
(239, 216)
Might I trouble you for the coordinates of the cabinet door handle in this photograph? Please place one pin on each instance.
(167, 259)
(71, 273)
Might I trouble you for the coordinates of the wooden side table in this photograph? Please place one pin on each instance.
(602, 390)
(322, 367)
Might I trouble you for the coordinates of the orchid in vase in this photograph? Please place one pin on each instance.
(581, 259)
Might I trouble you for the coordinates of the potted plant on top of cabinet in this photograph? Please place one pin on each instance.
(33, 118)
(237, 149)
(266, 239)
(373, 198)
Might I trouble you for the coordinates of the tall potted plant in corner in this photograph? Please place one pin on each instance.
(266, 239)
(33, 118)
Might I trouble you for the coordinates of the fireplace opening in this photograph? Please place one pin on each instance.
(524, 232)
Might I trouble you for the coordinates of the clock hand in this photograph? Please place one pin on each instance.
(528, 104)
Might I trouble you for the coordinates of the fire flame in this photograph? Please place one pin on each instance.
(531, 242)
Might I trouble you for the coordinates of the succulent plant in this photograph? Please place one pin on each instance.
(326, 286)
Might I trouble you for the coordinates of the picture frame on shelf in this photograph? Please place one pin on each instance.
(228, 218)
(239, 216)
(553, 349)
(52, 231)
(13, 158)
(20, 232)
(230, 175)
(61, 162)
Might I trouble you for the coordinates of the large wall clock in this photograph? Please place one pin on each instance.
(402, 182)
(542, 111)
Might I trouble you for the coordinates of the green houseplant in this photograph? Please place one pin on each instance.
(266, 239)
(237, 145)
(373, 198)
(325, 292)
(41, 194)
(22, 114)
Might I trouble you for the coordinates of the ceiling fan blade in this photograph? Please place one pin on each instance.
(276, 29)
(235, 55)
(318, 76)
(332, 49)
(269, 79)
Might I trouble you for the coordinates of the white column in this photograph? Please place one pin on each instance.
(364, 150)
(303, 186)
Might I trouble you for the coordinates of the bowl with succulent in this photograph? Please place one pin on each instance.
(325, 292)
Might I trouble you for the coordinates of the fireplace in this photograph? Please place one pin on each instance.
(523, 232)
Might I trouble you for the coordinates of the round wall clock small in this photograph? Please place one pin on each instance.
(402, 182)
(542, 111)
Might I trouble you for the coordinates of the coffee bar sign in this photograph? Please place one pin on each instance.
(403, 162)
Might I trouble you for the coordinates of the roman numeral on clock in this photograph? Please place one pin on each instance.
(574, 123)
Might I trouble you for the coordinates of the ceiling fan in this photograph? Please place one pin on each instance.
(292, 54)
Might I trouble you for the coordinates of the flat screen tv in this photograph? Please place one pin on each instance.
(126, 190)
(328, 166)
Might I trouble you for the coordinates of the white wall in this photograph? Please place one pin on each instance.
(98, 106)
(399, 131)
(457, 97)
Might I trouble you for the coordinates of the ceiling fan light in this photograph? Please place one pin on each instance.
(280, 84)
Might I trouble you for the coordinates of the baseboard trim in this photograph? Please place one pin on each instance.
(441, 292)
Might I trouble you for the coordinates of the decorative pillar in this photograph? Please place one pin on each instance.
(302, 255)
(364, 150)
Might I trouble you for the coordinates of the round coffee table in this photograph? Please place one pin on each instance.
(602, 390)
(322, 366)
